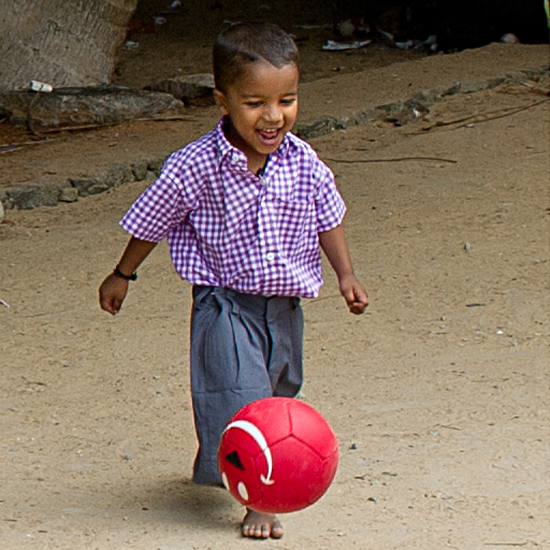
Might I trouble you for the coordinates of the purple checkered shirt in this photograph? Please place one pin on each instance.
(228, 227)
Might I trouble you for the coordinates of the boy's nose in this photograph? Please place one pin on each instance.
(273, 114)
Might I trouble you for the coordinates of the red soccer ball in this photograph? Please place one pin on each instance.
(277, 455)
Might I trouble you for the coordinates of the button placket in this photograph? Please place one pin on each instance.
(268, 223)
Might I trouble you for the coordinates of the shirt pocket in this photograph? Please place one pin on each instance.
(296, 228)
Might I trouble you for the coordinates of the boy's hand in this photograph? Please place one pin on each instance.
(112, 293)
(114, 288)
(354, 294)
(333, 243)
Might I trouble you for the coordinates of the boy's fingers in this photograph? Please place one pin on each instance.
(108, 305)
(357, 301)
(114, 307)
(357, 307)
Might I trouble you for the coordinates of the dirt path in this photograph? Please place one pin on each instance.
(439, 395)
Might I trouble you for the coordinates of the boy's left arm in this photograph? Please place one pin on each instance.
(333, 244)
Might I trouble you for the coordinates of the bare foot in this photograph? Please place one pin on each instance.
(261, 526)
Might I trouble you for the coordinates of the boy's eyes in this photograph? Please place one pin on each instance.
(286, 101)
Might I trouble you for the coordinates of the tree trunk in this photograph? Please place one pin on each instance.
(60, 42)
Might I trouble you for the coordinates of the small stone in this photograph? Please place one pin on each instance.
(192, 89)
(68, 194)
(155, 165)
(150, 176)
(140, 170)
(87, 186)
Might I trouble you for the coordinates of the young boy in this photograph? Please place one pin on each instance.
(245, 209)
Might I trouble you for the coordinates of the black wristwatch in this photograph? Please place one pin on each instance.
(119, 273)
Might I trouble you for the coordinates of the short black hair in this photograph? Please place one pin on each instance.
(244, 43)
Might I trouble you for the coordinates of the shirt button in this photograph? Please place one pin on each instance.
(270, 256)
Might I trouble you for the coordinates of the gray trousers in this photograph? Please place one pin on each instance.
(243, 348)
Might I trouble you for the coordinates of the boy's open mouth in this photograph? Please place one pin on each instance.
(269, 136)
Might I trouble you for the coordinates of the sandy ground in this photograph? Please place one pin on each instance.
(439, 395)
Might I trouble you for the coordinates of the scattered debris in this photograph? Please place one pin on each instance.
(326, 26)
(429, 45)
(176, 4)
(348, 27)
(407, 114)
(332, 45)
(509, 38)
(36, 86)
(9, 148)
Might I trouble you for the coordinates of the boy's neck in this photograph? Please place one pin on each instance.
(261, 171)
(256, 162)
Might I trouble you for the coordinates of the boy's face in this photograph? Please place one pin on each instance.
(262, 106)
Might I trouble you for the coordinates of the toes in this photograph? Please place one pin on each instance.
(276, 530)
(257, 531)
(261, 527)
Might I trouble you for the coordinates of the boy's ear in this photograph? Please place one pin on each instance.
(221, 101)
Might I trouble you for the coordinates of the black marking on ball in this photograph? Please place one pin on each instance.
(233, 458)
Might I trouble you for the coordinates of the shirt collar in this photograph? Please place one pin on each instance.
(225, 149)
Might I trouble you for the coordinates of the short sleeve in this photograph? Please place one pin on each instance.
(330, 205)
(159, 208)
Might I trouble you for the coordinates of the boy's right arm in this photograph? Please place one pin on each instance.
(114, 288)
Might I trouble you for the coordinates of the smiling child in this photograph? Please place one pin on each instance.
(246, 210)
